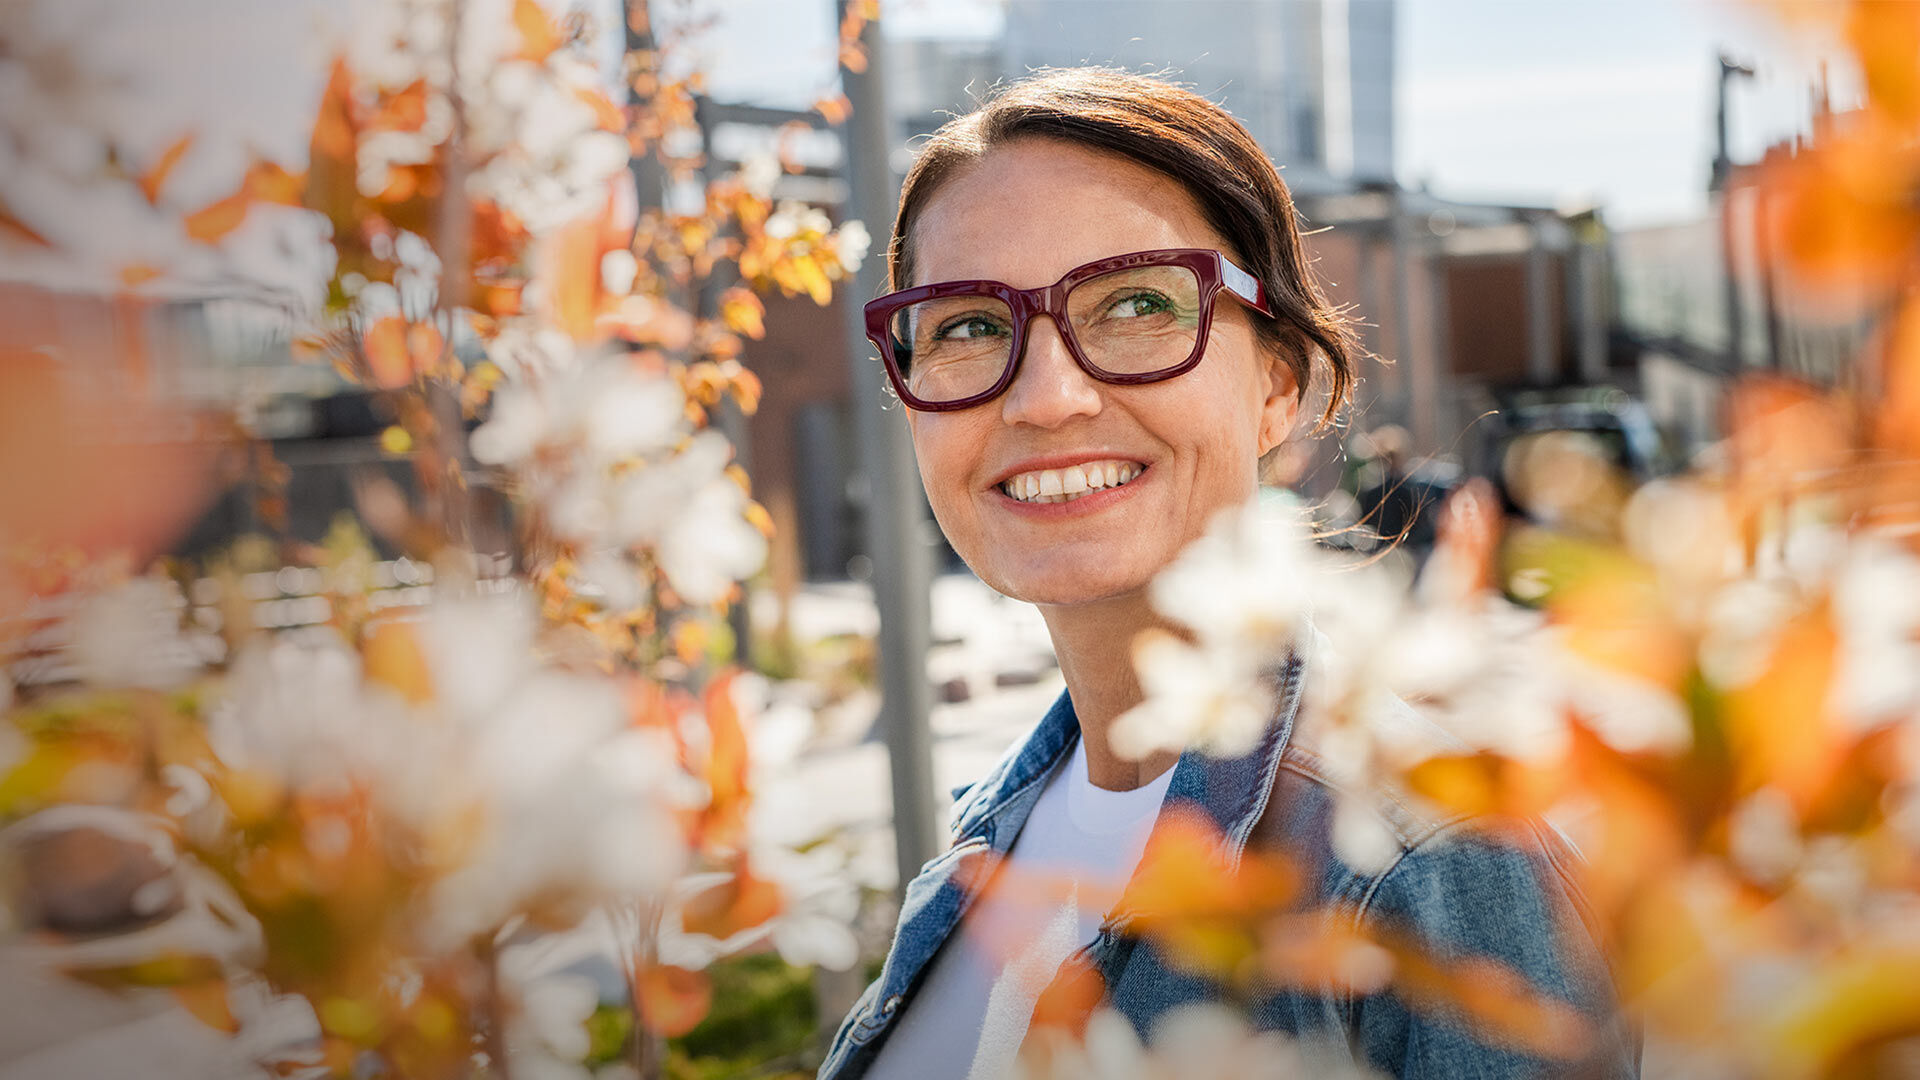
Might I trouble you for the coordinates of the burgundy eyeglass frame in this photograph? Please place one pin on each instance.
(1213, 270)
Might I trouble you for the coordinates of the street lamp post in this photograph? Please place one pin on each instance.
(1722, 174)
(896, 526)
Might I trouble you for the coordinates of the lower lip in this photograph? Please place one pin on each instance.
(1091, 502)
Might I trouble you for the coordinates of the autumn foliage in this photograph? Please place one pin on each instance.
(373, 816)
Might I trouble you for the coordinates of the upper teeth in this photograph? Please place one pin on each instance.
(1060, 485)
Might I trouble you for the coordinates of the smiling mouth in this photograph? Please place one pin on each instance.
(1070, 483)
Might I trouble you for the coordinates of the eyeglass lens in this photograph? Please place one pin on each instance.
(1135, 321)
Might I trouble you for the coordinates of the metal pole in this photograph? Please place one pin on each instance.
(1720, 183)
(728, 417)
(896, 526)
(1417, 398)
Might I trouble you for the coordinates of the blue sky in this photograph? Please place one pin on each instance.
(1536, 101)
(1608, 101)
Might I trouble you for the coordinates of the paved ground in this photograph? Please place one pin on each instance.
(996, 647)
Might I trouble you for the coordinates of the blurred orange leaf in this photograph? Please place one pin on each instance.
(605, 113)
(264, 182)
(333, 126)
(1496, 1000)
(539, 35)
(1847, 216)
(138, 273)
(207, 1001)
(398, 350)
(834, 109)
(758, 517)
(1633, 831)
(268, 182)
(743, 312)
(13, 228)
(155, 177)
(394, 658)
(1069, 1000)
(215, 220)
(1201, 910)
(813, 279)
(725, 768)
(404, 110)
(672, 999)
(742, 902)
(1782, 429)
(1886, 38)
(1487, 784)
(333, 154)
(1778, 726)
(1614, 617)
(746, 391)
(1850, 1002)
(1897, 419)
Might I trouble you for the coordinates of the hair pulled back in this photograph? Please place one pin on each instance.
(1184, 136)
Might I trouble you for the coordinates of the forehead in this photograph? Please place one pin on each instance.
(1032, 209)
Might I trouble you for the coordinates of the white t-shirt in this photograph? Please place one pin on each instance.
(1076, 851)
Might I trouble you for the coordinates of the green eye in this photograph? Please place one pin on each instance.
(1139, 305)
(974, 327)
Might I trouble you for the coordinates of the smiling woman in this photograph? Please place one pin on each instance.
(1104, 318)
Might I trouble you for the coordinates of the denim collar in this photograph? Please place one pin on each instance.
(1232, 792)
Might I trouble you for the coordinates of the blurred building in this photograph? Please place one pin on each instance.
(1701, 302)
(1313, 80)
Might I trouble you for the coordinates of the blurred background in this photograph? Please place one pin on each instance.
(1543, 215)
(1546, 217)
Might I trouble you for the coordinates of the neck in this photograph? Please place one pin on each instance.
(1094, 643)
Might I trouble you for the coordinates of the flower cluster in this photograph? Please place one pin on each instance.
(352, 836)
(1707, 683)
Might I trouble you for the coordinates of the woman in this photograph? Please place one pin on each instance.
(1105, 321)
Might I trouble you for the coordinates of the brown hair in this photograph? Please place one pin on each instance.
(1178, 133)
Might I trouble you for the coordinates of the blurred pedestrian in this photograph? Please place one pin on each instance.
(1396, 504)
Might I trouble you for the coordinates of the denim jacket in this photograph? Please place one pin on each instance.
(1455, 890)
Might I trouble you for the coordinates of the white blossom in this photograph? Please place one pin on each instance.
(546, 1029)
(1207, 696)
(1763, 836)
(758, 174)
(1190, 1042)
(851, 244)
(1876, 609)
(618, 268)
(568, 800)
(790, 219)
(129, 636)
(709, 544)
(627, 414)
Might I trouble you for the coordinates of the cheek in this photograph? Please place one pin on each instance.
(1225, 409)
(945, 448)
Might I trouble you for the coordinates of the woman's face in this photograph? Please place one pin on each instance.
(1025, 214)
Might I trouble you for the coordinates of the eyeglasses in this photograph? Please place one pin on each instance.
(1126, 320)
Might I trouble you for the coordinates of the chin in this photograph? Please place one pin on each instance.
(1058, 589)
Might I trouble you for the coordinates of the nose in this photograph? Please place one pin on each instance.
(1050, 388)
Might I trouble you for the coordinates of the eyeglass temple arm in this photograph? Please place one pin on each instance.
(1244, 285)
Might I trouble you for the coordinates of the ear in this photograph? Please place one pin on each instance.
(1280, 411)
